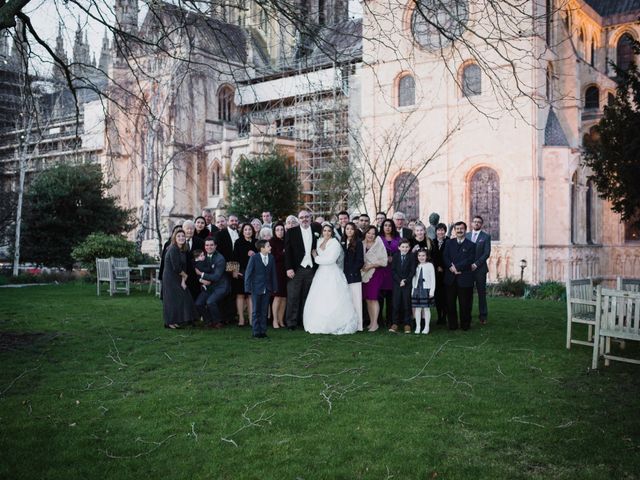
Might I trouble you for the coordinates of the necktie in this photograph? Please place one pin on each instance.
(402, 260)
(264, 260)
(475, 237)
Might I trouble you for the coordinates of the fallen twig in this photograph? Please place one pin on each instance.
(157, 445)
(12, 382)
(433, 355)
(261, 421)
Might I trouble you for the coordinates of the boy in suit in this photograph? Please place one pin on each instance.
(403, 267)
(260, 281)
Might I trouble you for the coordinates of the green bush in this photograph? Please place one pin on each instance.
(549, 290)
(101, 245)
(508, 287)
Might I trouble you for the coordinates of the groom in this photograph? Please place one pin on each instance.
(299, 242)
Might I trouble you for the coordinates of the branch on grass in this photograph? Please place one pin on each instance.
(310, 375)
(156, 446)
(260, 422)
(433, 355)
(11, 383)
(337, 391)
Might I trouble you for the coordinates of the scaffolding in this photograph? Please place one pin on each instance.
(322, 129)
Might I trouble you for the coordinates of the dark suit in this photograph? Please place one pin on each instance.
(459, 286)
(212, 229)
(405, 233)
(482, 254)
(298, 287)
(441, 294)
(193, 284)
(208, 301)
(402, 295)
(224, 244)
(260, 281)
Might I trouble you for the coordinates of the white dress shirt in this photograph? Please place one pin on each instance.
(234, 235)
(307, 240)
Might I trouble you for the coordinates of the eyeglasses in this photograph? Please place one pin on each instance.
(304, 216)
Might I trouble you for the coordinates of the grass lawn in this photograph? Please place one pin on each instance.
(94, 388)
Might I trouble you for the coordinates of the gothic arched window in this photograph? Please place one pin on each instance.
(549, 84)
(484, 192)
(624, 51)
(590, 209)
(406, 91)
(225, 103)
(406, 195)
(592, 97)
(592, 53)
(471, 80)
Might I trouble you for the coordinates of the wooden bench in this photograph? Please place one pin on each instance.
(628, 284)
(115, 271)
(581, 309)
(617, 317)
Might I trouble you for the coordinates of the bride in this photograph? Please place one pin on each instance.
(329, 308)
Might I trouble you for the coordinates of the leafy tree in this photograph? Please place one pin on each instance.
(264, 182)
(63, 205)
(612, 151)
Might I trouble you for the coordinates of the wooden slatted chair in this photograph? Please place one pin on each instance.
(618, 316)
(121, 275)
(581, 309)
(104, 273)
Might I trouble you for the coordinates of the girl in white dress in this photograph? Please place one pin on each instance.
(423, 291)
(329, 308)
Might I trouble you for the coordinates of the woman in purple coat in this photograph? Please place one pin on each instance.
(391, 241)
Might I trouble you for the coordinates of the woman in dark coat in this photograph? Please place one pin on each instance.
(280, 295)
(243, 249)
(353, 263)
(177, 304)
(201, 228)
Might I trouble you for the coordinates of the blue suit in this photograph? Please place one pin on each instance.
(482, 254)
(260, 281)
(209, 299)
(459, 286)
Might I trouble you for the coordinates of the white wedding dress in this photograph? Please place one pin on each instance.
(329, 308)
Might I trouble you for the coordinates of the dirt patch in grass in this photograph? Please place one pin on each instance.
(15, 341)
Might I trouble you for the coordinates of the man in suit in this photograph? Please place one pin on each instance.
(194, 243)
(438, 263)
(343, 219)
(267, 219)
(260, 281)
(217, 283)
(380, 218)
(479, 267)
(363, 224)
(207, 213)
(299, 243)
(226, 237)
(400, 221)
(459, 254)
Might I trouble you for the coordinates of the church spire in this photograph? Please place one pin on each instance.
(105, 54)
(58, 72)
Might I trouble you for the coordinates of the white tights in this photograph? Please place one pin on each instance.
(427, 318)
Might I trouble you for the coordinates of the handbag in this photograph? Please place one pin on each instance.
(232, 267)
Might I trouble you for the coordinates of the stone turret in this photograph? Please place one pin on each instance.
(105, 54)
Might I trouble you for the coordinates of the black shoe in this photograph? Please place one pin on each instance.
(292, 328)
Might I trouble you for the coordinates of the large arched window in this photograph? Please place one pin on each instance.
(406, 195)
(225, 103)
(215, 179)
(406, 91)
(624, 51)
(471, 80)
(484, 190)
(592, 97)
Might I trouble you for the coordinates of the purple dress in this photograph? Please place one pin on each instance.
(387, 276)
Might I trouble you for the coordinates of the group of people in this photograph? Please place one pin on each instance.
(332, 278)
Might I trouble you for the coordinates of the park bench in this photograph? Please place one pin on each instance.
(114, 271)
(617, 317)
(581, 309)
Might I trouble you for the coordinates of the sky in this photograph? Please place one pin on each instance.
(46, 15)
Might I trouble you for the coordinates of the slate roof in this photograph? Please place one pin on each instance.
(606, 8)
(339, 43)
(553, 133)
(206, 33)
